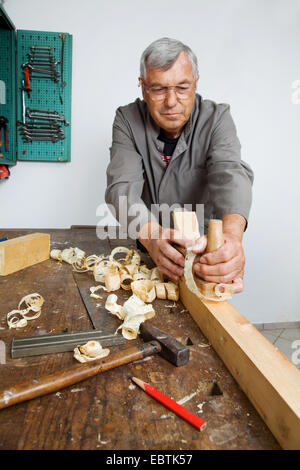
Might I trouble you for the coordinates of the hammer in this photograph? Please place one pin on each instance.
(157, 342)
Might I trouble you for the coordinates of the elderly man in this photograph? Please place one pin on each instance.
(174, 147)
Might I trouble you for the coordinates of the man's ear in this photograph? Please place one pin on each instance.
(198, 76)
(140, 84)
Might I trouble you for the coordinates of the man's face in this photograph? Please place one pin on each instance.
(171, 113)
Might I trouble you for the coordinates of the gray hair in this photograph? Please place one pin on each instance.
(162, 53)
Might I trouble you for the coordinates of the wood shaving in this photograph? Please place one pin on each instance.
(112, 278)
(90, 351)
(126, 273)
(69, 255)
(114, 308)
(55, 254)
(172, 291)
(95, 289)
(138, 276)
(19, 318)
(190, 281)
(144, 289)
(171, 306)
(126, 277)
(167, 290)
(156, 275)
(118, 249)
(133, 312)
(161, 291)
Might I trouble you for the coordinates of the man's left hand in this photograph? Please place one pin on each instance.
(224, 265)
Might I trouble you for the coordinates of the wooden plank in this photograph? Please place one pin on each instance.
(21, 252)
(268, 378)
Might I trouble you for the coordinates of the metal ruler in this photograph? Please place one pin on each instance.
(45, 344)
(100, 318)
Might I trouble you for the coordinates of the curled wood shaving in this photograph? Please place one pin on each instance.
(161, 291)
(69, 255)
(190, 281)
(139, 275)
(18, 318)
(133, 258)
(92, 259)
(144, 289)
(126, 273)
(87, 264)
(90, 351)
(79, 265)
(156, 275)
(118, 249)
(99, 269)
(136, 312)
(32, 301)
(130, 327)
(133, 313)
(172, 291)
(55, 254)
(125, 278)
(167, 290)
(112, 278)
(95, 289)
(131, 268)
(15, 319)
(114, 308)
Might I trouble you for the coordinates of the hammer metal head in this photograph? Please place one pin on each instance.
(171, 349)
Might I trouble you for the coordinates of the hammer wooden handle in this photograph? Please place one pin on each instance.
(51, 383)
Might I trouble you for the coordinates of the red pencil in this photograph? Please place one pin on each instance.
(171, 404)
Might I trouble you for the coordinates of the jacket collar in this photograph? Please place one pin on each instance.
(188, 126)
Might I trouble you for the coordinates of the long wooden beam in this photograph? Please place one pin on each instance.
(268, 378)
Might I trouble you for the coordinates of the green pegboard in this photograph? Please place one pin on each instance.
(8, 93)
(45, 94)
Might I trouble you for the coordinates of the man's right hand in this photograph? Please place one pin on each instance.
(158, 242)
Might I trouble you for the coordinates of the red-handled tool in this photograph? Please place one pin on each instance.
(27, 81)
(4, 172)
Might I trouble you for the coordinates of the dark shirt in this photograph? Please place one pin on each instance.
(169, 147)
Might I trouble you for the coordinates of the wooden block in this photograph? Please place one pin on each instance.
(21, 252)
(268, 378)
(187, 223)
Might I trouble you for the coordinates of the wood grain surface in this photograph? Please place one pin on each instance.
(107, 411)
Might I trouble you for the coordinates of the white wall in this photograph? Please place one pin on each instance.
(248, 52)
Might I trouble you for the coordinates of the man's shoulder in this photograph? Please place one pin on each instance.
(210, 107)
(133, 110)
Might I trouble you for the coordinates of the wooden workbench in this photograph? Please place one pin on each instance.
(106, 411)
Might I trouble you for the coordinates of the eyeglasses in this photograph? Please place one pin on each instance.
(158, 93)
